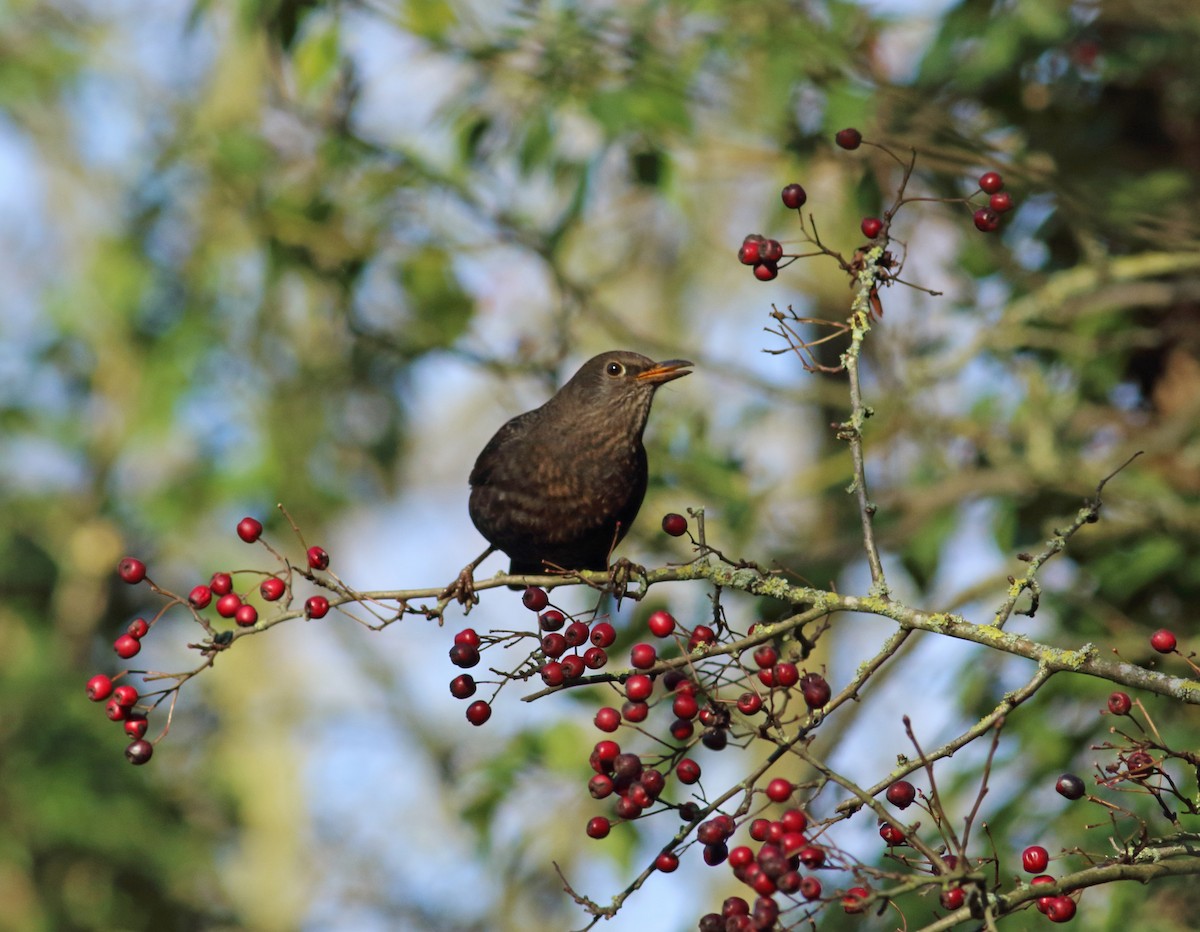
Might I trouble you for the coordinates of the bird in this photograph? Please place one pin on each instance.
(558, 487)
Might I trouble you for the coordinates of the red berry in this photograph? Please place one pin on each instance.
(953, 898)
(246, 616)
(990, 182)
(135, 725)
(891, 834)
(852, 902)
(766, 656)
(99, 688)
(702, 635)
(462, 686)
(221, 583)
(779, 789)
(554, 645)
(1034, 859)
(749, 703)
(786, 674)
(576, 633)
(716, 854)
(607, 719)
(464, 655)
(115, 711)
(478, 712)
(200, 596)
(627, 807)
(468, 636)
(1139, 762)
(551, 620)
(1163, 641)
(1001, 202)
(138, 628)
(794, 820)
(675, 525)
(848, 138)
(316, 606)
(682, 729)
(638, 687)
(598, 827)
(816, 690)
(794, 197)
(594, 658)
(687, 770)
(1070, 786)
(666, 862)
(643, 656)
(812, 856)
(272, 589)
(600, 786)
(986, 220)
(572, 667)
(249, 529)
(901, 794)
(766, 271)
(772, 251)
(684, 705)
(635, 711)
(750, 252)
(871, 227)
(535, 599)
(552, 673)
(139, 752)
(603, 635)
(125, 695)
(228, 604)
(131, 570)
(810, 888)
(126, 646)
(661, 624)
(1119, 703)
(1060, 909)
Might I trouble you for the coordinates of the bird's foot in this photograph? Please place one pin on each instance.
(619, 575)
(462, 590)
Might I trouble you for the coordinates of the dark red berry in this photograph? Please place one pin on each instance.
(810, 888)
(661, 624)
(735, 905)
(1070, 786)
(478, 712)
(115, 711)
(750, 252)
(607, 719)
(131, 570)
(200, 597)
(125, 695)
(316, 606)
(126, 646)
(794, 197)
(594, 658)
(666, 862)
(1139, 762)
(687, 770)
(572, 667)
(1034, 859)
(576, 633)
(779, 789)
(953, 898)
(221, 583)
(603, 635)
(891, 834)
(766, 271)
(228, 604)
(598, 827)
(772, 251)
(786, 674)
(811, 856)
(272, 589)
(901, 794)
(600, 786)
(139, 752)
(318, 559)
(468, 636)
(986, 220)
(871, 227)
(852, 902)
(716, 854)
(464, 655)
(1060, 909)
(1119, 703)
(638, 687)
(766, 656)
(552, 673)
(551, 620)
(749, 703)
(138, 628)
(1163, 641)
(135, 725)
(675, 525)
(554, 645)
(848, 138)
(684, 705)
(1001, 202)
(249, 529)
(643, 656)
(634, 711)
(462, 686)
(682, 729)
(99, 688)
(990, 182)
(535, 599)
(816, 690)
(702, 635)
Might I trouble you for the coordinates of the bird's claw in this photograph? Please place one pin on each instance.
(619, 575)
(462, 590)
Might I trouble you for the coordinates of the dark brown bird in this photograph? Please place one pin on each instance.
(560, 485)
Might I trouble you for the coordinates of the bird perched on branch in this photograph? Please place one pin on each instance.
(559, 486)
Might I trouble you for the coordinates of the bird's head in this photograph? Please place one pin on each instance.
(620, 384)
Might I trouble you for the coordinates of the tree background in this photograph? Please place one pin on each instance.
(314, 253)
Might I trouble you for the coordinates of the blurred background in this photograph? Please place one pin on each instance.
(317, 252)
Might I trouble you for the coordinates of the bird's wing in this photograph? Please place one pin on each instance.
(507, 435)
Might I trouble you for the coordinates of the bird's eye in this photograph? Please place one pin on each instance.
(614, 368)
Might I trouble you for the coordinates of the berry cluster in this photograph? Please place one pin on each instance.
(125, 704)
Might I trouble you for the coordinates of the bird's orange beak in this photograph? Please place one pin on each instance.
(665, 371)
